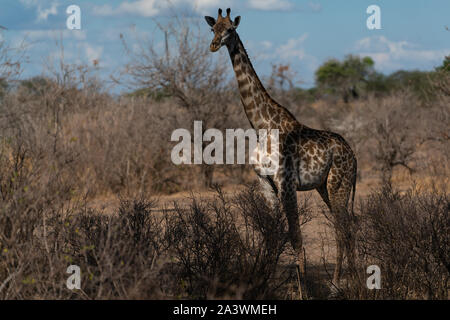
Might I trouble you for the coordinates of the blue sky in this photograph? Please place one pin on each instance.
(301, 33)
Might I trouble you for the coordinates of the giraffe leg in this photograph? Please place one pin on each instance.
(350, 251)
(268, 190)
(289, 204)
(339, 192)
(322, 190)
(339, 259)
(288, 199)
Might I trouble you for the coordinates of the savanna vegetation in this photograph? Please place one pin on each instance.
(66, 142)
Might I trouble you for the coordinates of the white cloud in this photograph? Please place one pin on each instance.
(292, 48)
(291, 52)
(42, 14)
(206, 6)
(146, 8)
(391, 55)
(151, 8)
(270, 5)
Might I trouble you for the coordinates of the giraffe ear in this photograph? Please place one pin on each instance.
(210, 20)
(236, 21)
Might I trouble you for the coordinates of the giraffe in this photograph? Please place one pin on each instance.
(308, 159)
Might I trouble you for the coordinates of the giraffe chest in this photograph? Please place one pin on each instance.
(265, 157)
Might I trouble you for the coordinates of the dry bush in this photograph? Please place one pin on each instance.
(64, 124)
(196, 81)
(224, 247)
(30, 214)
(117, 254)
(229, 247)
(125, 147)
(395, 131)
(407, 236)
(281, 84)
(10, 63)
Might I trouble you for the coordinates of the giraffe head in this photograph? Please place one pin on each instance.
(224, 30)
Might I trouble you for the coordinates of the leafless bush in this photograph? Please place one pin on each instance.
(191, 76)
(407, 236)
(10, 62)
(117, 254)
(97, 143)
(224, 247)
(281, 84)
(394, 131)
(229, 248)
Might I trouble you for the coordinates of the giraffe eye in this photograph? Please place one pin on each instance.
(212, 30)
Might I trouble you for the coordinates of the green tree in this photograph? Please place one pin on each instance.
(445, 65)
(345, 78)
(441, 79)
(415, 81)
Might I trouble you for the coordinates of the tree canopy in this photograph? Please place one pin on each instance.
(345, 77)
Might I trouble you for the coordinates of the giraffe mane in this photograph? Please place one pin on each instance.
(249, 61)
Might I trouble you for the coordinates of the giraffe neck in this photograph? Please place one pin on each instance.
(261, 110)
(254, 96)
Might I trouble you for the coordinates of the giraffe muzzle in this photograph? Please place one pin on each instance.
(214, 47)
